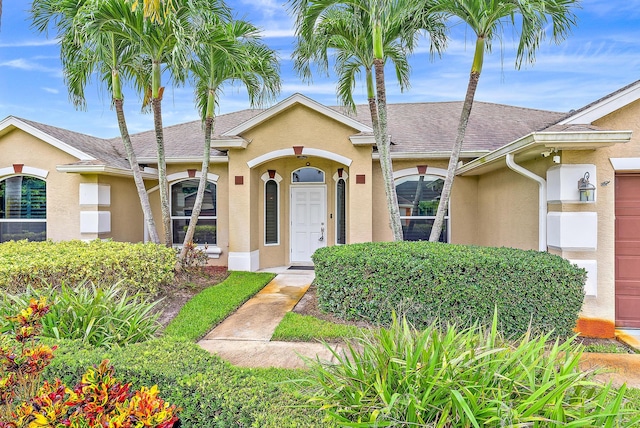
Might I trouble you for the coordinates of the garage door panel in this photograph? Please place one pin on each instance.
(627, 250)
(628, 228)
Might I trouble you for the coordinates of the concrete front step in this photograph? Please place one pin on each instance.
(252, 353)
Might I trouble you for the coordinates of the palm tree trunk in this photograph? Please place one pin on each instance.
(197, 206)
(474, 77)
(384, 150)
(137, 175)
(156, 104)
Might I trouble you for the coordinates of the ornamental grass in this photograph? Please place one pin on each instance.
(464, 378)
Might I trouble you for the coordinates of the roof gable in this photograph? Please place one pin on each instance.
(11, 122)
(289, 102)
(604, 106)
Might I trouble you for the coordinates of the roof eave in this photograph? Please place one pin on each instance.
(177, 160)
(289, 102)
(102, 170)
(9, 123)
(538, 142)
(442, 154)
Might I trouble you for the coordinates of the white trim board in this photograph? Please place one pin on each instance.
(288, 102)
(12, 121)
(605, 106)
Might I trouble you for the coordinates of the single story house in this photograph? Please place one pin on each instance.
(291, 178)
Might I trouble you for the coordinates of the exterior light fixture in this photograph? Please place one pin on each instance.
(586, 189)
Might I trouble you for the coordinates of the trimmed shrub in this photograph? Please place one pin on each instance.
(425, 281)
(462, 378)
(138, 267)
(209, 391)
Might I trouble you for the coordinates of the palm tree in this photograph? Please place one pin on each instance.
(486, 18)
(155, 10)
(364, 33)
(229, 52)
(106, 55)
(165, 44)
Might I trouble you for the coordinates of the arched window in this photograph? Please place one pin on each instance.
(418, 199)
(271, 217)
(307, 175)
(23, 209)
(183, 197)
(341, 211)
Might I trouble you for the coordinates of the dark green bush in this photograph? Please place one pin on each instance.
(211, 392)
(425, 281)
(138, 267)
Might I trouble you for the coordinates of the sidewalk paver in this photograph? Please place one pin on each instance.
(244, 338)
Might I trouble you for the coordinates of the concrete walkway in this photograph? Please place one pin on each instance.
(244, 338)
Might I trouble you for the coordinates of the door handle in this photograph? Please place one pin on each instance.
(321, 232)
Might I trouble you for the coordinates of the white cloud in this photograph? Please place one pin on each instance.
(277, 33)
(28, 43)
(50, 90)
(27, 65)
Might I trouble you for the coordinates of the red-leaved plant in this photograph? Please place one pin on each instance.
(98, 400)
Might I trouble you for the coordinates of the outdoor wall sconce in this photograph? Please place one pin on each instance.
(586, 189)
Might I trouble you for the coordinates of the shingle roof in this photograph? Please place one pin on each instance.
(105, 151)
(421, 127)
(414, 128)
(185, 140)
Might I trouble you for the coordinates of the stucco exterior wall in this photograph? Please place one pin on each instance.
(296, 126)
(507, 214)
(602, 306)
(127, 221)
(63, 211)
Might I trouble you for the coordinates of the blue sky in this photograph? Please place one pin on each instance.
(601, 55)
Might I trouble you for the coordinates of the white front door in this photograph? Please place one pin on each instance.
(308, 222)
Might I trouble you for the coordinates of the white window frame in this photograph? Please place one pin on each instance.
(447, 218)
(200, 217)
(278, 179)
(28, 220)
(324, 176)
(337, 179)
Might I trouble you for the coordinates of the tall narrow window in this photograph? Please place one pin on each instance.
(23, 209)
(183, 197)
(271, 235)
(341, 212)
(418, 199)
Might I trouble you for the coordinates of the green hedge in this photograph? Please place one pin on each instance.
(138, 267)
(211, 392)
(455, 283)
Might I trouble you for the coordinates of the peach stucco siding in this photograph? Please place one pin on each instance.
(63, 212)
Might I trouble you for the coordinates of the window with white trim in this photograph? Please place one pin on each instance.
(418, 199)
(271, 213)
(341, 211)
(183, 197)
(23, 209)
(307, 175)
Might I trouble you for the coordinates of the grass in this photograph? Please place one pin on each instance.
(214, 304)
(605, 348)
(304, 328)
